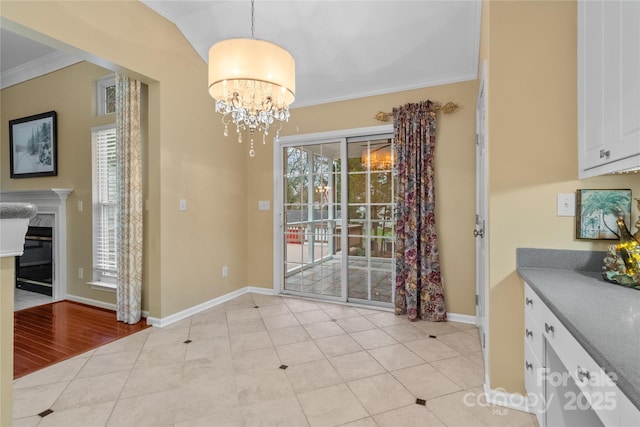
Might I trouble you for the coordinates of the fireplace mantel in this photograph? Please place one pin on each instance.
(51, 195)
(50, 201)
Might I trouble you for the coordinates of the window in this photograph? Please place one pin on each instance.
(105, 205)
(106, 91)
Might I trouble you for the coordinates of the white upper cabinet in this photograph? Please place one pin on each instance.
(608, 86)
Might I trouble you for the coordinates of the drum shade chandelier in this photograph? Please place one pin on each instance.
(253, 84)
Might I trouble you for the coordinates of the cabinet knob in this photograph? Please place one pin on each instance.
(583, 374)
(528, 366)
(548, 328)
(528, 301)
(605, 154)
(528, 333)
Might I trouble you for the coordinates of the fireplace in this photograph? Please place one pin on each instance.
(34, 269)
(52, 214)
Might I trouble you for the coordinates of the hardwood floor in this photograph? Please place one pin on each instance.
(50, 333)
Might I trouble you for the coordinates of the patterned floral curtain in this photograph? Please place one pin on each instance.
(419, 292)
(129, 152)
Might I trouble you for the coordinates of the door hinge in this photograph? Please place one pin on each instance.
(476, 299)
(484, 340)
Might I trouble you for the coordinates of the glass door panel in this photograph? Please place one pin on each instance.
(312, 260)
(371, 220)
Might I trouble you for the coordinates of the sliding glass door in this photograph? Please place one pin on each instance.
(337, 224)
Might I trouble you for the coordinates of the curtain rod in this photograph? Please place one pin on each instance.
(447, 108)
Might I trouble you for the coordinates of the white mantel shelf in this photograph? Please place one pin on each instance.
(28, 196)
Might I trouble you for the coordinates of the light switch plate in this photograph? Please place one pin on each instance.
(566, 204)
(264, 205)
(183, 205)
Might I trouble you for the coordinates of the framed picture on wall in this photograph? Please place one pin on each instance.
(597, 212)
(33, 146)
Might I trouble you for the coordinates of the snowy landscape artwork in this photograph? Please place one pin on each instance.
(33, 146)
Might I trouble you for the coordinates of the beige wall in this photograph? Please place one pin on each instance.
(70, 93)
(531, 48)
(455, 181)
(185, 251)
(7, 268)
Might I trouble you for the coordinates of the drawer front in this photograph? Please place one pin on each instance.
(596, 388)
(533, 384)
(533, 337)
(532, 303)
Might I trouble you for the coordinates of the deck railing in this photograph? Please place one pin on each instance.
(320, 232)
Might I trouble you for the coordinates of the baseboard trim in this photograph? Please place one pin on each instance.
(500, 397)
(100, 304)
(161, 322)
(92, 302)
(461, 318)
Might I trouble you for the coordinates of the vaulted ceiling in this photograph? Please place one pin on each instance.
(343, 49)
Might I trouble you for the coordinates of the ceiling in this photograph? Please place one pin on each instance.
(343, 49)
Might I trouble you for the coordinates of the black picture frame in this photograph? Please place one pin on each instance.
(597, 211)
(33, 146)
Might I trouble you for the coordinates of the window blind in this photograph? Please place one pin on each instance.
(105, 203)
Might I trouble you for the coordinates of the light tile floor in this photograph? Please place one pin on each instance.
(25, 299)
(345, 366)
(324, 278)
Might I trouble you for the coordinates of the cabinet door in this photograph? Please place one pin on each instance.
(622, 78)
(591, 76)
(629, 414)
(608, 86)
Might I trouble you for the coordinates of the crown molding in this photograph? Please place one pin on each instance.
(36, 68)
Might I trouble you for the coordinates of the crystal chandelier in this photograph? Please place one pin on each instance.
(253, 84)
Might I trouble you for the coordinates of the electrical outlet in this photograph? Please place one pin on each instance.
(80, 208)
(80, 273)
(183, 205)
(225, 271)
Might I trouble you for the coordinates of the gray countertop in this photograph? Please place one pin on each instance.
(17, 210)
(603, 317)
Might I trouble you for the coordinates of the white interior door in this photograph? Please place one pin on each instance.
(481, 225)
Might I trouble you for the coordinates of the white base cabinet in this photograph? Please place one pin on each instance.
(565, 386)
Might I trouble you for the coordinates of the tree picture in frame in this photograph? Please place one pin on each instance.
(597, 212)
(33, 149)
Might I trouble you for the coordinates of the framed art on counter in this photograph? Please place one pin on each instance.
(597, 212)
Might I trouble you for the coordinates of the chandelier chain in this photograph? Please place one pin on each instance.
(253, 21)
